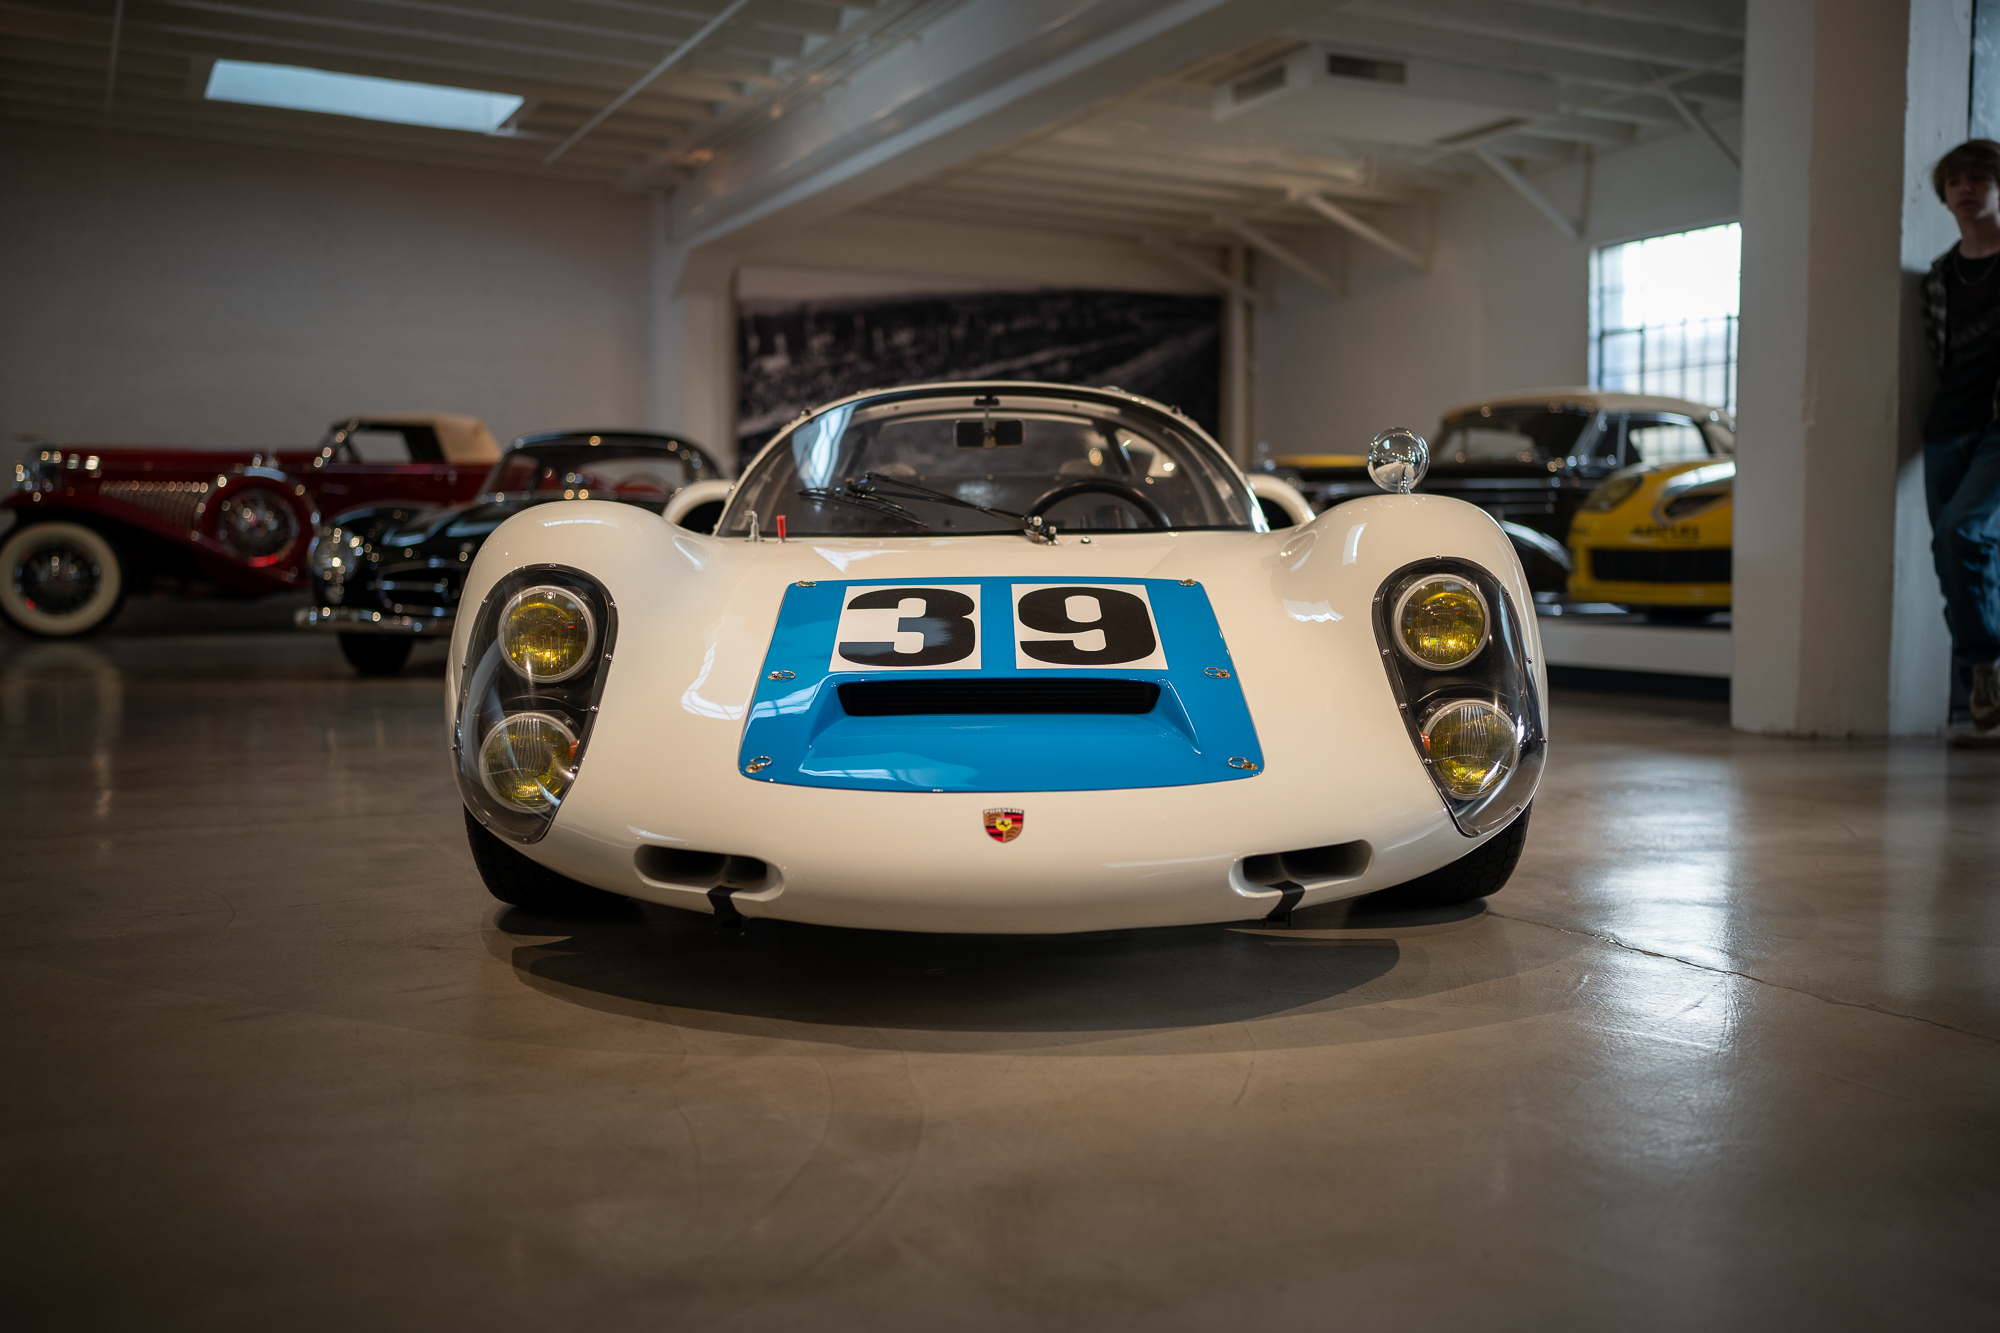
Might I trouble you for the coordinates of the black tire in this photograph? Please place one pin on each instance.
(376, 654)
(60, 580)
(1482, 872)
(514, 878)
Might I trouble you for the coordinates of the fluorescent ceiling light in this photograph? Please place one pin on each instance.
(394, 100)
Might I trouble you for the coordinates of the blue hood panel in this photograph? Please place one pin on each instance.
(997, 635)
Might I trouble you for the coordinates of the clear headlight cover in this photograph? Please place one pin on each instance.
(536, 660)
(1458, 659)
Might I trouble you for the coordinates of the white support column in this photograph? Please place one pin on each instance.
(1845, 101)
(693, 352)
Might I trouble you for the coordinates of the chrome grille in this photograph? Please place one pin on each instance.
(433, 585)
(173, 502)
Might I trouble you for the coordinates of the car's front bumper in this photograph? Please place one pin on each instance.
(353, 620)
(1082, 861)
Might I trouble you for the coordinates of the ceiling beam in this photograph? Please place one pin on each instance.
(1392, 38)
(1310, 272)
(1166, 249)
(1510, 20)
(1340, 217)
(1526, 188)
(667, 62)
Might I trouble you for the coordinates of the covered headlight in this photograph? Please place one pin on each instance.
(1461, 666)
(546, 633)
(1471, 743)
(535, 665)
(1613, 492)
(1441, 622)
(528, 761)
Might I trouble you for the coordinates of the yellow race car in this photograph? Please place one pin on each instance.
(1656, 538)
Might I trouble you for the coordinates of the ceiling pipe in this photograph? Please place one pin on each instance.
(671, 59)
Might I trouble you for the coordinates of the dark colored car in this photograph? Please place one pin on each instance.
(95, 524)
(386, 575)
(1531, 459)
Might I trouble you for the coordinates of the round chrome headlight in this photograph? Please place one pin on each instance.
(528, 761)
(546, 633)
(1441, 622)
(325, 557)
(1471, 745)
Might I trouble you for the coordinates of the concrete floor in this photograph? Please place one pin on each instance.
(1726, 1054)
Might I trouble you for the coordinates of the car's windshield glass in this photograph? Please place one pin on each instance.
(627, 468)
(898, 468)
(1511, 435)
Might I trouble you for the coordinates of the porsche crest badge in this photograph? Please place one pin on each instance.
(1004, 825)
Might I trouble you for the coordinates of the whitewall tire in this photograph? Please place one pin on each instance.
(58, 580)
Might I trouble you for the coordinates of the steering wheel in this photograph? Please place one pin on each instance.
(1131, 495)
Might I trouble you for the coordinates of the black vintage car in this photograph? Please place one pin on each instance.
(385, 575)
(1531, 459)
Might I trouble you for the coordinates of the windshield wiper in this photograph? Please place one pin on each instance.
(867, 484)
(860, 500)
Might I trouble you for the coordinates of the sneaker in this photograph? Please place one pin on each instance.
(1986, 696)
(1976, 740)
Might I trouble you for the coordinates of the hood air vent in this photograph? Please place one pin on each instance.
(904, 698)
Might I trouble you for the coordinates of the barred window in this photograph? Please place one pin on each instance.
(1663, 315)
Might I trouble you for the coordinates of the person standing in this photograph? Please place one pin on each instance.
(1962, 430)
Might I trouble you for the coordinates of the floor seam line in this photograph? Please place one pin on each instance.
(1747, 976)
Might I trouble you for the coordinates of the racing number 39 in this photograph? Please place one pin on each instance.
(1056, 625)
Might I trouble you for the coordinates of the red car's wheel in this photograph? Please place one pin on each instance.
(59, 580)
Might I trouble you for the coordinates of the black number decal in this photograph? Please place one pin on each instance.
(946, 625)
(1128, 628)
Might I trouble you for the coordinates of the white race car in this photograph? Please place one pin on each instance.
(999, 657)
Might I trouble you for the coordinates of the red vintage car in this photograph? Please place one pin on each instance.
(94, 525)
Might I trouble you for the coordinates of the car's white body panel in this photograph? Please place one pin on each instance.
(695, 617)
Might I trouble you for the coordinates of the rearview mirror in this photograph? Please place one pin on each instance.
(990, 433)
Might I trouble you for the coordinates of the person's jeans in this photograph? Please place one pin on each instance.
(1962, 484)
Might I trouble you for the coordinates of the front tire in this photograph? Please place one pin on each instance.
(376, 654)
(59, 580)
(517, 879)
(1478, 874)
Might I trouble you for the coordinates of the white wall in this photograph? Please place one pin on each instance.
(159, 291)
(1504, 307)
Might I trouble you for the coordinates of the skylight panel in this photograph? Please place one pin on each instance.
(396, 100)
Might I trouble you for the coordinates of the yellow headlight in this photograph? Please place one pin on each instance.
(546, 633)
(1442, 622)
(528, 760)
(1471, 745)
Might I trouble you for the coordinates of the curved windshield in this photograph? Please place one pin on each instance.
(964, 464)
(615, 467)
(1516, 435)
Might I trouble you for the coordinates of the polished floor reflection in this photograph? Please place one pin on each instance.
(1726, 1054)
